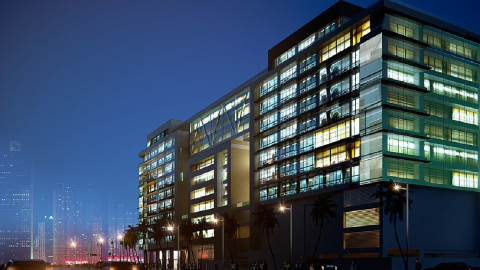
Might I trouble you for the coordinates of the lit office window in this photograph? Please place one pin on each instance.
(203, 177)
(307, 162)
(269, 140)
(308, 63)
(465, 179)
(288, 74)
(285, 56)
(268, 121)
(288, 132)
(268, 86)
(267, 157)
(465, 116)
(450, 90)
(288, 93)
(268, 104)
(335, 47)
(268, 174)
(361, 31)
(306, 43)
(203, 206)
(401, 76)
(288, 112)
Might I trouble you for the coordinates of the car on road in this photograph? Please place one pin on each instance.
(319, 264)
(26, 265)
(453, 266)
(116, 265)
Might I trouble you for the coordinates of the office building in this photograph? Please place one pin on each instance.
(16, 222)
(354, 97)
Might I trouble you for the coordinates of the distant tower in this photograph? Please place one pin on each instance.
(15, 200)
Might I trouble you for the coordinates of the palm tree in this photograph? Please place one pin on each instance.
(201, 226)
(131, 236)
(230, 224)
(266, 221)
(187, 230)
(143, 229)
(158, 232)
(322, 212)
(392, 202)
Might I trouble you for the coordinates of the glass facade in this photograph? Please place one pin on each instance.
(157, 180)
(220, 123)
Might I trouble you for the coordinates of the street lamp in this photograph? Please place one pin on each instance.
(171, 228)
(101, 248)
(216, 220)
(283, 209)
(397, 187)
(120, 237)
(74, 245)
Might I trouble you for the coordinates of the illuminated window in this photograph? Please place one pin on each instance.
(308, 83)
(203, 177)
(401, 76)
(401, 170)
(401, 52)
(202, 164)
(360, 32)
(268, 104)
(361, 218)
(307, 162)
(285, 56)
(268, 121)
(288, 112)
(268, 86)
(203, 206)
(288, 132)
(269, 140)
(306, 43)
(288, 74)
(267, 157)
(465, 116)
(202, 192)
(465, 179)
(308, 63)
(268, 174)
(402, 146)
(450, 90)
(288, 93)
(336, 46)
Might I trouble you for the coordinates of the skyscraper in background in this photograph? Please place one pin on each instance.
(15, 200)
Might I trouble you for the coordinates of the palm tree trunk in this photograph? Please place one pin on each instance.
(398, 243)
(271, 252)
(193, 254)
(201, 254)
(318, 241)
(229, 250)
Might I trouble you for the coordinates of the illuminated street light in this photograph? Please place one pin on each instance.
(283, 209)
(171, 228)
(120, 238)
(397, 188)
(216, 220)
(74, 245)
(101, 247)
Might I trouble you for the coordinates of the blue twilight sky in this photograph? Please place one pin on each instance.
(87, 80)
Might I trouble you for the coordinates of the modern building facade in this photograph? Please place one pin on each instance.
(16, 213)
(354, 97)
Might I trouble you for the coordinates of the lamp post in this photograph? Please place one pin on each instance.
(397, 188)
(216, 220)
(283, 209)
(101, 248)
(120, 237)
(171, 228)
(74, 246)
